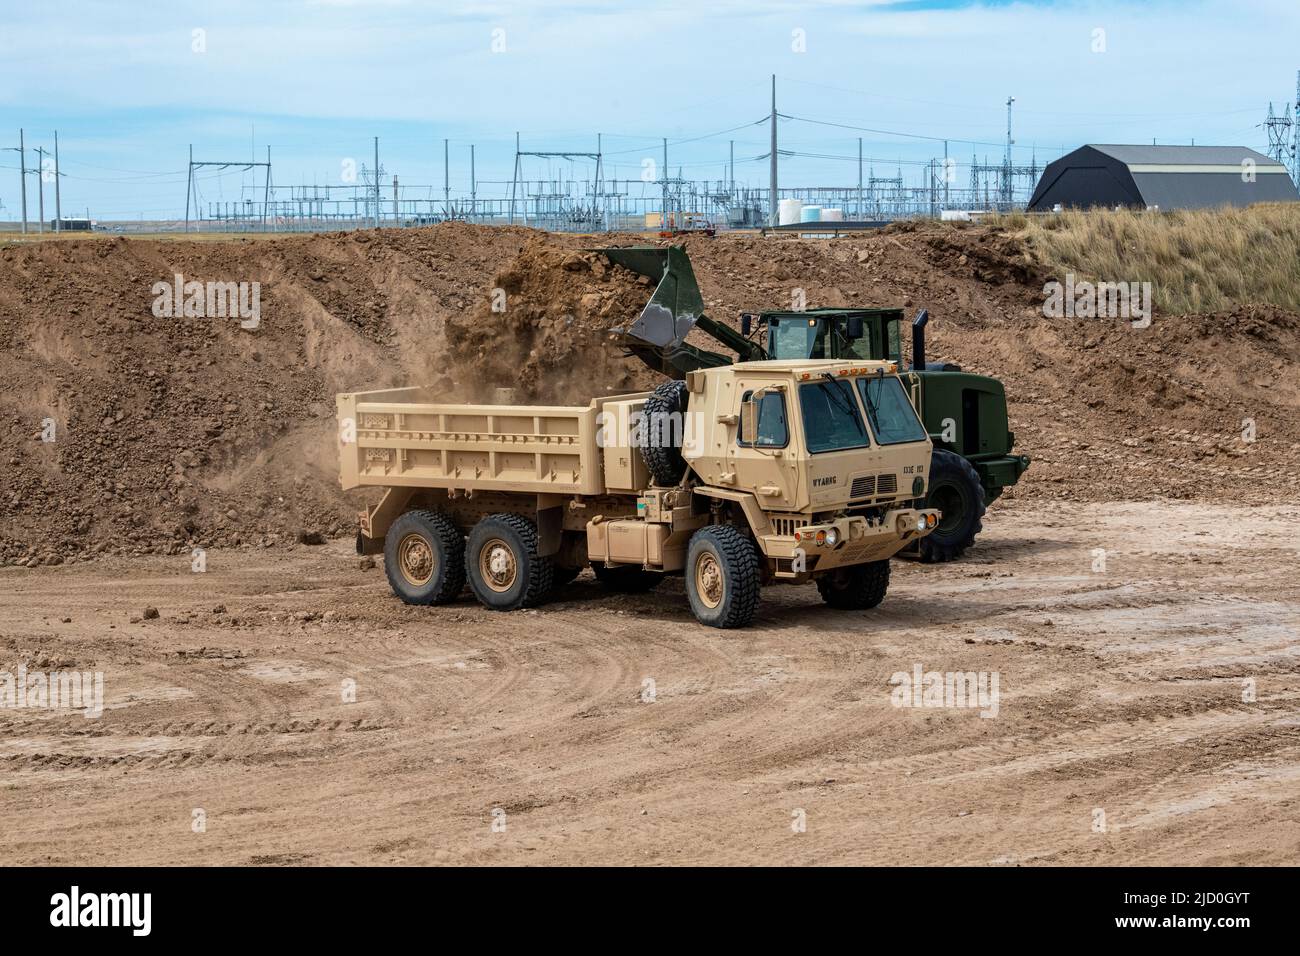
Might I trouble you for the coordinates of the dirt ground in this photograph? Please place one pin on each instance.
(1121, 691)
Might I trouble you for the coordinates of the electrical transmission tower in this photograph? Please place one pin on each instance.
(1295, 133)
(1281, 135)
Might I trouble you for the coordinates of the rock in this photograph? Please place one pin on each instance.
(150, 613)
(310, 537)
(367, 563)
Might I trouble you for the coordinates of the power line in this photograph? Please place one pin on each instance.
(891, 132)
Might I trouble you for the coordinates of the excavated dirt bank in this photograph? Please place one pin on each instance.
(171, 433)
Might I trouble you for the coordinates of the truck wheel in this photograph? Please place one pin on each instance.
(627, 579)
(858, 587)
(722, 576)
(665, 420)
(501, 561)
(955, 490)
(424, 558)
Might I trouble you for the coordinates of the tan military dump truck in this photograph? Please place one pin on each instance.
(740, 476)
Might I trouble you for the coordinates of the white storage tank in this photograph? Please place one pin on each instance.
(788, 211)
(811, 214)
(832, 215)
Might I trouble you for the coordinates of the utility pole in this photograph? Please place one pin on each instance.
(859, 177)
(397, 214)
(266, 188)
(473, 186)
(598, 195)
(1006, 162)
(40, 187)
(514, 183)
(58, 208)
(21, 150)
(189, 187)
(773, 215)
(446, 179)
(663, 215)
(376, 182)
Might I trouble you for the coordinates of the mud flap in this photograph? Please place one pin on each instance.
(376, 522)
(550, 528)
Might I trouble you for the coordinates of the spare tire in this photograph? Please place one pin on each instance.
(661, 442)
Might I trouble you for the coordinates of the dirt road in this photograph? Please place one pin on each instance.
(616, 730)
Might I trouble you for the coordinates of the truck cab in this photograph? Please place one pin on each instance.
(816, 463)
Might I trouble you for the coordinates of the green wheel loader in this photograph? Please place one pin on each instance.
(965, 414)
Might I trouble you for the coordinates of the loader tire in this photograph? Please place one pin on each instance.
(627, 578)
(501, 561)
(723, 576)
(661, 445)
(858, 587)
(956, 491)
(424, 558)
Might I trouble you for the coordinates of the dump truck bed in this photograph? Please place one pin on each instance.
(403, 438)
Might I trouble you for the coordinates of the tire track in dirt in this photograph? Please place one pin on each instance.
(1129, 700)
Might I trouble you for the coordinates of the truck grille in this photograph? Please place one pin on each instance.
(868, 486)
(863, 487)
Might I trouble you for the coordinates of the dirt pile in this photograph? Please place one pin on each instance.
(172, 432)
(179, 432)
(544, 328)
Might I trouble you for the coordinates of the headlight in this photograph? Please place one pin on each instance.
(922, 523)
(832, 537)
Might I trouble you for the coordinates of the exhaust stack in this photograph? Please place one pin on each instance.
(918, 340)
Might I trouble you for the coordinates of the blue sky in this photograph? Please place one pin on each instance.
(129, 86)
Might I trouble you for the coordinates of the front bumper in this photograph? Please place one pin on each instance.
(857, 540)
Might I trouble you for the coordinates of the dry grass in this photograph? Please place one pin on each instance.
(1196, 261)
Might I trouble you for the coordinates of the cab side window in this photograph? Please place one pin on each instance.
(773, 432)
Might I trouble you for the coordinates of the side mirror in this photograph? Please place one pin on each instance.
(746, 324)
(749, 421)
(855, 327)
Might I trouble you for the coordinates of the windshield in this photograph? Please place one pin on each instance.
(830, 416)
(796, 339)
(892, 417)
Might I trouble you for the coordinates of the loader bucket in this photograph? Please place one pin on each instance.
(658, 334)
(676, 303)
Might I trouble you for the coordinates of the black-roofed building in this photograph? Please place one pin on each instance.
(1168, 177)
